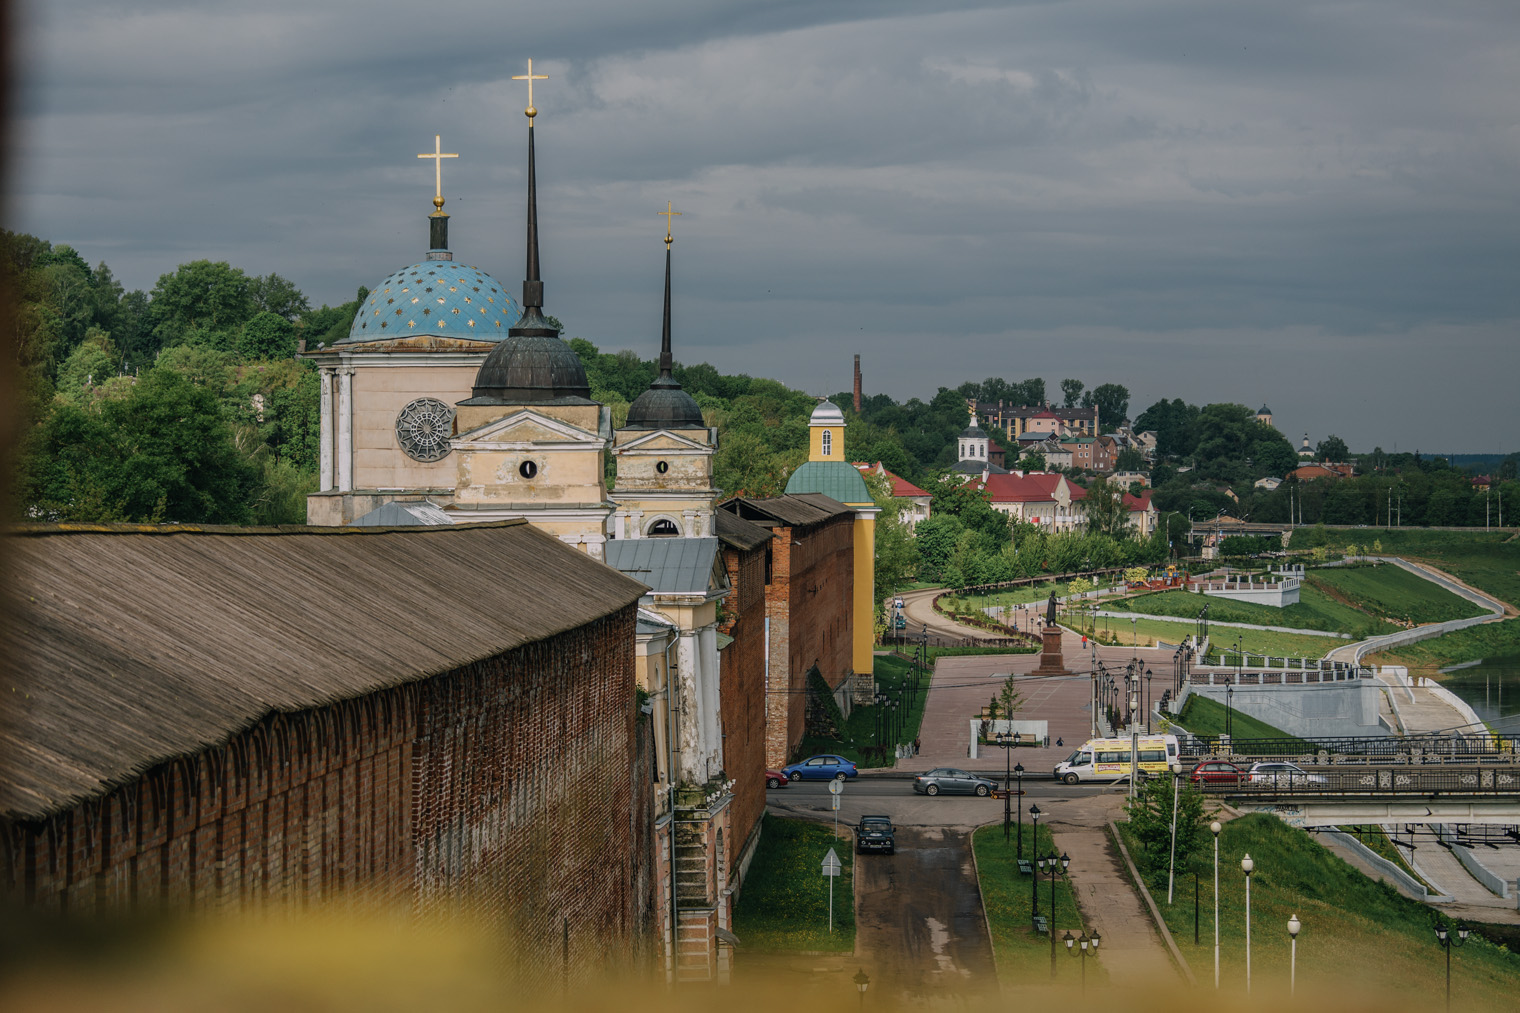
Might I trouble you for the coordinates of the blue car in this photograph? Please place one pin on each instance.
(820, 768)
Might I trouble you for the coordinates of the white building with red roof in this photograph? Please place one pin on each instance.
(1053, 503)
(915, 500)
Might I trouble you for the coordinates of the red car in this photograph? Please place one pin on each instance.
(775, 779)
(1217, 772)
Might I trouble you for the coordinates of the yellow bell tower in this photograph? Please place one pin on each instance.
(828, 472)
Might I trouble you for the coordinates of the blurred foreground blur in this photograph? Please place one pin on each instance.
(333, 960)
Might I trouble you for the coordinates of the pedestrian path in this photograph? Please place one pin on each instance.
(1132, 952)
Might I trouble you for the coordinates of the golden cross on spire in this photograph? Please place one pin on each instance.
(670, 215)
(438, 155)
(530, 77)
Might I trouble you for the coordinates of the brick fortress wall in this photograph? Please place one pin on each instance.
(500, 787)
(743, 693)
(808, 602)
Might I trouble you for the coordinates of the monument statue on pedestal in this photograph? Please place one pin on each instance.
(1051, 662)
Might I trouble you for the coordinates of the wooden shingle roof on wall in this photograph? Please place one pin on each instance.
(125, 646)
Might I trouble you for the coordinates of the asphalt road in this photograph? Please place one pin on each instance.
(920, 931)
(895, 797)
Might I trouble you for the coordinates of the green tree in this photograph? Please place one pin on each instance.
(273, 294)
(161, 452)
(1112, 400)
(1150, 816)
(1105, 509)
(1071, 390)
(208, 300)
(1332, 448)
(269, 335)
(896, 550)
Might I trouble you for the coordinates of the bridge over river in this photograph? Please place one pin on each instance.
(1483, 793)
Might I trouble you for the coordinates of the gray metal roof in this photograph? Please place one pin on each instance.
(402, 515)
(667, 565)
(739, 533)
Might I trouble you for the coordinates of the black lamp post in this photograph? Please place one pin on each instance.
(1058, 867)
(1002, 740)
(861, 982)
(1148, 704)
(1018, 770)
(1447, 940)
(1229, 714)
(1086, 942)
(1034, 876)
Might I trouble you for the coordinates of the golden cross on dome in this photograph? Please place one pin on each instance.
(530, 77)
(438, 155)
(670, 215)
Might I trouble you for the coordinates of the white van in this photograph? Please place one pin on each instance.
(1109, 759)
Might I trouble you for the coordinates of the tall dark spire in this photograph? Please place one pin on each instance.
(665, 405)
(665, 358)
(532, 323)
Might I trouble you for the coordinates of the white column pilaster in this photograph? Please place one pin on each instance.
(345, 429)
(325, 377)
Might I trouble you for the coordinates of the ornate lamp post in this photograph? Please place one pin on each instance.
(1002, 740)
(1085, 941)
(1018, 770)
(1034, 876)
(1293, 926)
(1215, 828)
(1247, 866)
(1447, 940)
(1058, 867)
(1149, 706)
(862, 981)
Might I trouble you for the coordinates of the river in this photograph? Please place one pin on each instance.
(1492, 687)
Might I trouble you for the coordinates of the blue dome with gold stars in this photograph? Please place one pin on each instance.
(437, 298)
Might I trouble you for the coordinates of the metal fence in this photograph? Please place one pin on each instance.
(1413, 749)
(1373, 781)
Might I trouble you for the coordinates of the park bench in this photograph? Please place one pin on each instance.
(1025, 867)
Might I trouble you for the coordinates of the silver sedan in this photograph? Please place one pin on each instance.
(952, 781)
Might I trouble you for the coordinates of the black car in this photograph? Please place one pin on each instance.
(953, 781)
(874, 833)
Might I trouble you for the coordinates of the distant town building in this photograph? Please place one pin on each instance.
(1017, 420)
(1264, 415)
(916, 500)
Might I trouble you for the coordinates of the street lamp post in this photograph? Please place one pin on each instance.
(1058, 866)
(1002, 740)
(1085, 942)
(1149, 705)
(1018, 770)
(1247, 866)
(1215, 828)
(1446, 940)
(1134, 639)
(861, 982)
(1293, 926)
(1034, 875)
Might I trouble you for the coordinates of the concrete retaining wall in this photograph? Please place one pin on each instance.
(1308, 711)
(1386, 867)
(1494, 884)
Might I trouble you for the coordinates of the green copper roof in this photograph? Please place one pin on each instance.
(835, 479)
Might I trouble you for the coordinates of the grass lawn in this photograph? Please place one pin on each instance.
(1361, 941)
(1488, 561)
(1316, 610)
(1491, 640)
(785, 902)
(1391, 592)
(1023, 958)
(893, 676)
(1203, 716)
(1015, 595)
(1148, 631)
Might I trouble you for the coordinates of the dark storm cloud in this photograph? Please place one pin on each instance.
(1312, 205)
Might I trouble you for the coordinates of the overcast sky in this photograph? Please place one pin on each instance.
(1311, 205)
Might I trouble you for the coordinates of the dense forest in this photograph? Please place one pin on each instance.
(187, 403)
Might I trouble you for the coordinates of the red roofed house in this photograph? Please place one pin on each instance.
(1053, 503)
(916, 499)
